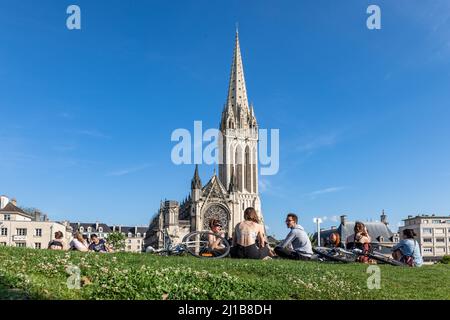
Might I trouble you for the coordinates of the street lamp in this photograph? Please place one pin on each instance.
(318, 221)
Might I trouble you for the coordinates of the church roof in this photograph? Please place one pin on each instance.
(214, 187)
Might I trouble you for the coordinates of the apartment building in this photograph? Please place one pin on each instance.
(20, 229)
(433, 235)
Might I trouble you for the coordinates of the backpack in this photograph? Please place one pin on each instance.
(409, 260)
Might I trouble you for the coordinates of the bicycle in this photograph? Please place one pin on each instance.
(351, 255)
(195, 243)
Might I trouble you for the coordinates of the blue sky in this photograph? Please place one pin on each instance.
(363, 115)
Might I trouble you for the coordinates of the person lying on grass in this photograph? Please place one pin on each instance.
(297, 245)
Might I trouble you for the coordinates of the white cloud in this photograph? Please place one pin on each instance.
(318, 142)
(126, 171)
(317, 193)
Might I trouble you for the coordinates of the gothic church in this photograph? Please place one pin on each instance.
(225, 196)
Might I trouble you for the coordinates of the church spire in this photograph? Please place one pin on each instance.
(237, 92)
(196, 182)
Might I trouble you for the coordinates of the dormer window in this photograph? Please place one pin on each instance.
(138, 235)
(81, 229)
(100, 229)
(89, 229)
(130, 234)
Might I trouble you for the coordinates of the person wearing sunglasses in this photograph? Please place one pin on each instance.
(297, 245)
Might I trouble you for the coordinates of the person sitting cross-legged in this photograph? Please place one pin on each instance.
(297, 245)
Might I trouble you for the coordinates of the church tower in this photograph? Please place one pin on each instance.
(238, 150)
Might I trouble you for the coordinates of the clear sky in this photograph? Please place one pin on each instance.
(364, 115)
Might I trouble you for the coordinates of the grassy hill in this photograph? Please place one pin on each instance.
(41, 274)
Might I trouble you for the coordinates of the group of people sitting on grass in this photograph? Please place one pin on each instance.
(249, 241)
(79, 243)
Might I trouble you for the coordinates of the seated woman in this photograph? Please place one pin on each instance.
(58, 242)
(215, 241)
(335, 240)
(407, 250)
(246, 236)
(360, 239)
(79, 243)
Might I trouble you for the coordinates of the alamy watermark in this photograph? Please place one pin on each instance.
(190, 148)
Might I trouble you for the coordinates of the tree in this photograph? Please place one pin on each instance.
(117, 240)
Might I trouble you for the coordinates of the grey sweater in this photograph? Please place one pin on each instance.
(299, 240)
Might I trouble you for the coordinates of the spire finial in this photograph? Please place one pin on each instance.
(237, 27)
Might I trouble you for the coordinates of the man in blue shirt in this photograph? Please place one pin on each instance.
(98, 245)
(297, 245)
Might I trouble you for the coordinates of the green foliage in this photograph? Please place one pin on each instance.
(117, 240)
(445, 259)
(41, 274)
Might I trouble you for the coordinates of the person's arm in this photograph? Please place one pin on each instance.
(261, 237)
(286, 242)
(398, 245)
(80, 246)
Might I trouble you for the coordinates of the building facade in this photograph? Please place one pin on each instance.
(433, 235)
(226, 195)
(19, 229)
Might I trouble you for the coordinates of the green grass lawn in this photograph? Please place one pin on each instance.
(41, 274)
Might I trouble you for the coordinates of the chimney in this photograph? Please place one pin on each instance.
(37, 215)
(343, 219)
(383, 218)
(135, 231)
(4, 200)
(96, 225)
(14, 201)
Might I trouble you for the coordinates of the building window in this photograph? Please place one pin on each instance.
(81, 229)
(4, 232)
(138, 247)
(427, 240)
(130, 234)
(7, 217)
(436, 221)
(425, 221)
(100, 229)
(21, 244)
(129, 247)
(138, 235)
(427, 230)
(440, 250)
(37, 245)
(21, 232)
(129, 241)
(428, 250)
(139, 241)
(439, 231)
(89, 229)
(38, 232)
(441, 240)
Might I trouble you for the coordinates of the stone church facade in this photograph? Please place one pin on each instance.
(226, 195)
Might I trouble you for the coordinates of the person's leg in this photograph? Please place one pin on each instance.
(287, 254)
(252, 252)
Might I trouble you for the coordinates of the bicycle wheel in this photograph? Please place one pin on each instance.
(197, 244)
(379, 257)
(335, 254)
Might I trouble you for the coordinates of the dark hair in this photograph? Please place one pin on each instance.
(93, 236)
(409, 233)
(58, 235)
(293, 216)
(359, 227)
(214, 223)
(251, 215)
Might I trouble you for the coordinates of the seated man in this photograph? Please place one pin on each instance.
(98, 245)
(297, 244)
